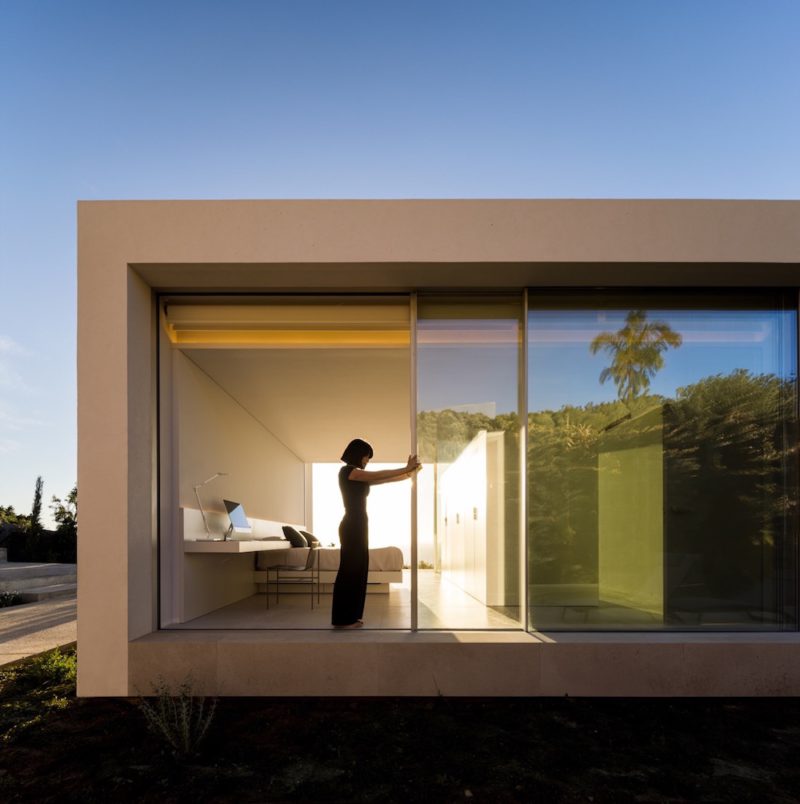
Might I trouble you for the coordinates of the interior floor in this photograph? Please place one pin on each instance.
(441, 605)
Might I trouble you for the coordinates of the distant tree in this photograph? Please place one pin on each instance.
(11, 521)
(636, 353)
(8, 514)
(36, 508)
(65, 512)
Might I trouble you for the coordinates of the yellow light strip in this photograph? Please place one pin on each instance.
(290, 338)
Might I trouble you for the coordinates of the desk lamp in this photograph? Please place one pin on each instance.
(197, 494)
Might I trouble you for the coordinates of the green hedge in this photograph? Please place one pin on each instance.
(51, 546)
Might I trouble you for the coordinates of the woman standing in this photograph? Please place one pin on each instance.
(350, 589)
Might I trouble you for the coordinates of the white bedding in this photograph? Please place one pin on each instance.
(381, 559)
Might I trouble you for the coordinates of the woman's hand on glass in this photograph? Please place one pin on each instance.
(414, 464)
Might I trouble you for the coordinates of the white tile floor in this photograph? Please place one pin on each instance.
(441, 605)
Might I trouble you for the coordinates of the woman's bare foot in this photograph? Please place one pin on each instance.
(356, 624)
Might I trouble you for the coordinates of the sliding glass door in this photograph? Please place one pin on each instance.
(259, 397)
(468, 432)
(608, 460)
(662, 483)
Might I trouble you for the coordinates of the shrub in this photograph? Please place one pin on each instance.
(181, 719)
(43, 545)
(53, 668)
(31, 690)
(9, 599)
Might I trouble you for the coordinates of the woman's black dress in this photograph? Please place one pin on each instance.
(350, 588)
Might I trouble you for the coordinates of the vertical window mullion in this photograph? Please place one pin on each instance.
(523, 461)
(415, 450)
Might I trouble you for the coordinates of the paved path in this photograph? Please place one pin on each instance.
(36, 627)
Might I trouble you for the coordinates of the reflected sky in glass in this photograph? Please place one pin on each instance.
(468, 365)
(563, 371)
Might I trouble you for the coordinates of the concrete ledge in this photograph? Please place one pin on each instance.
(392, 663)
(18, 576)
(37, 593)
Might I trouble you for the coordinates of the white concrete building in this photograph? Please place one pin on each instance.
(604, 395)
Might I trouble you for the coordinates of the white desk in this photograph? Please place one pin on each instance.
(234, 545)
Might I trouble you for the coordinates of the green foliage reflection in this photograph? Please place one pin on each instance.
(728, 451)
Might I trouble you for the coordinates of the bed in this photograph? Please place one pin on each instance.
(385, 565)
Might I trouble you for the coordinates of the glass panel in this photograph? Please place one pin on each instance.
(468, 353)
(661, 461)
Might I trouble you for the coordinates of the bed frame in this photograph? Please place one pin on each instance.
(267, 536)
(377, 581)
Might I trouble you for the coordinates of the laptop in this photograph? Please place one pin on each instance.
(239, 523)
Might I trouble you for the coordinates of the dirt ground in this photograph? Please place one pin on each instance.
(59, 748)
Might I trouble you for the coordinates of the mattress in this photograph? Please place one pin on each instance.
(381, 559)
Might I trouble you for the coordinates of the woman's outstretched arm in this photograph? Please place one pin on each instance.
(396, 477)
(387, 475)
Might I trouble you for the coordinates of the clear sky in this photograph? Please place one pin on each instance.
(231, 99)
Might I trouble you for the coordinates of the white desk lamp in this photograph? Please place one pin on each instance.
(197, 494)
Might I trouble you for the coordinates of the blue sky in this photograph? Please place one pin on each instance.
(346, 99)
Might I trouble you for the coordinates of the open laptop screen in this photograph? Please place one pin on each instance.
(239, 523)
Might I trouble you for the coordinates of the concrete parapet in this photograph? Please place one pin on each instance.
(468, 664)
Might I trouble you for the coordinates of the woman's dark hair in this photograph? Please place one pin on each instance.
(355, 451)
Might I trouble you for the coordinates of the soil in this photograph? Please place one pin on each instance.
(60, 748)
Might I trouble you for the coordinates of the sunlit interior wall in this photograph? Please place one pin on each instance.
(216, 434)
(472, 520)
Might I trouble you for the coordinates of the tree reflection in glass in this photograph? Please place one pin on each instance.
(673, 504)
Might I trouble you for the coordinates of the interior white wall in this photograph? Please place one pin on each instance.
(472, 520)
(216, 434)
(213, 581)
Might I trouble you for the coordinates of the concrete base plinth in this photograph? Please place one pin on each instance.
(383, 663)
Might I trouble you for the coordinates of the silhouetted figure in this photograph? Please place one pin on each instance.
(350, 589)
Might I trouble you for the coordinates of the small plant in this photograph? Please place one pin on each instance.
(425, 565)
(181, 719)
(53, 668)
(9, 599)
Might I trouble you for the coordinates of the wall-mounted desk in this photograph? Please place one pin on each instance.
(234, 545)
(216, 573)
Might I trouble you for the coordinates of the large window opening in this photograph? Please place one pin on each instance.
(608, 461)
